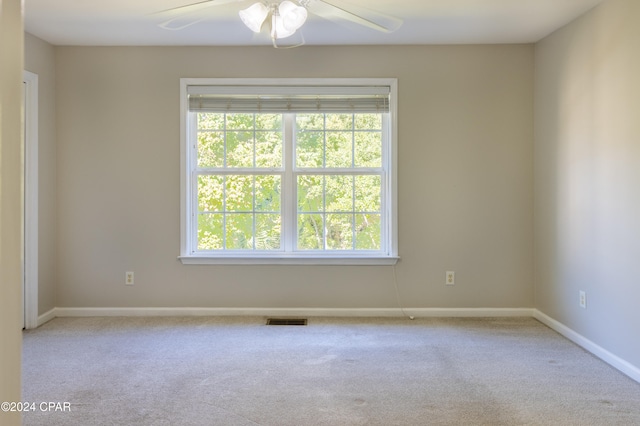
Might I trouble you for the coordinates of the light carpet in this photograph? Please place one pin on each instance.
(334, 371)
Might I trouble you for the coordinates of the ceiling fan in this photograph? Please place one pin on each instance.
(282, 18)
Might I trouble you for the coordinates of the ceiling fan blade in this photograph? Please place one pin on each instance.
(192, 7)
(362, 16)
(181, 16)
(179, 23)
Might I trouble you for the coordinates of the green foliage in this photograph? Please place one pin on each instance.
(338, 140)
(310, 232)
(338, 149)
(210, 149)
(210, 235)
(342, 210)
(367, 190)
(238, 231)
(269, 149)
(239, 140)
(367, 230)
(336, 211)
(210, 193)
(310, 149)
(339, 231)
(268, 229)
(248, 205)
(368, 149)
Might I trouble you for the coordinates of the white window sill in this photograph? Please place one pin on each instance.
(288, 260)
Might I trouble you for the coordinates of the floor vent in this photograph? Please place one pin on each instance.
(286, 321)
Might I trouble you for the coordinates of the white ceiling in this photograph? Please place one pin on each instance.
(132, 22)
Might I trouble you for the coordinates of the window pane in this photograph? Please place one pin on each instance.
(339, 121)
(240, 121)
(211, 121)
(269, 121)
(339, 231)
(239, 231)
(210, 149)
(210, 232)
(368, 230)
(268, 232)
(239, 193)
(269, 149)
(339, 194)
(310, 121)
(239, 149)
(310, 193)
(368, 121)
(333, 197)
(210, 194)
(310, 232)
(367, 193)
(268, 193)
(368, 149)
(310, 149)
(339, 149)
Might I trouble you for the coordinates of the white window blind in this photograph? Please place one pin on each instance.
(309, 99)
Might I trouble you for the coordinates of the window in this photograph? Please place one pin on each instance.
(288, 171)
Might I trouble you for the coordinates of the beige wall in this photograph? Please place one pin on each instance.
(40, 59)
(465, 178)
(587, 176)
(10, 202)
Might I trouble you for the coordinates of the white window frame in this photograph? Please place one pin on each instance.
(333, 257)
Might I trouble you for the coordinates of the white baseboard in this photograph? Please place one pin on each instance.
(173, 312)
(611, 359)
(47, 316)
(469, 312)
(296, 312)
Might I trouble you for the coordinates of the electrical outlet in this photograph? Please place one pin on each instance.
(583, 299)
(450, 278)
(128, 278)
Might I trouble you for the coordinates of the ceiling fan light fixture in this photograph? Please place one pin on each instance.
(278, 30)
(292, 15)
(254, 16)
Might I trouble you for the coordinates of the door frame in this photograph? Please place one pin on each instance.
(30, 194)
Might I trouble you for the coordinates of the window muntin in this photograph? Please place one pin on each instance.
(280, 184)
